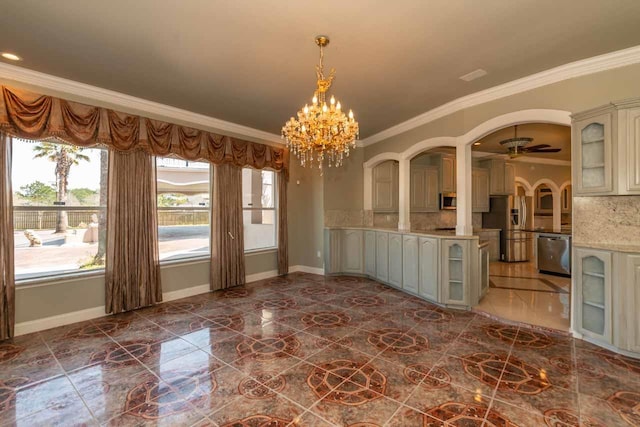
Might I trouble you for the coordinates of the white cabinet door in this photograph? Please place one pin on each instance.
(352, 251)
(627, 317)
(395, 259)
(496, 181)
(428, 251)
(448, 174)
(592, 150)
(385, 187)
(432, 197)
(418, 189)
(455, 272)
(370, 253)
(509, 178)
(631, 141)
(410, 264)
(333, 251)
(593, 293)
(480, 190)
(382, 256)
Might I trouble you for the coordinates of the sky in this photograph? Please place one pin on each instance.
(26, 169)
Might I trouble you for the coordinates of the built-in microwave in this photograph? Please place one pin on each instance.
(448, 201)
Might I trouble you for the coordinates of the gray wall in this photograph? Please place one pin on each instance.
(573, 95)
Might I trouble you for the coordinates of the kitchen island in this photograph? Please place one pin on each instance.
(436, 265)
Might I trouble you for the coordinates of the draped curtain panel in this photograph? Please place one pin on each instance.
(7, 281)
(132, 262)
(28, 115)
(227, 249)
(283, 233)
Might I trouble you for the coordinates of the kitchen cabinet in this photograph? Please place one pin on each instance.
(606, 149)
(424, 189)
(395, 260)
(333, 252)
(370, 253)
(385, 187)
(483, 261)
(382, 256)
(455, 272)
(593, 153)
(448, 182)
(352, 255)
(480, 189)
(493, 236)
(410, 264)
(502, 177)
(592, 273)
(627, 298)
(429, 256)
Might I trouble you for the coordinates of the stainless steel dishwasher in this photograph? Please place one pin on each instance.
(554, 253)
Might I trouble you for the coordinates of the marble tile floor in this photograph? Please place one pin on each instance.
(306, 350)
(519, 293)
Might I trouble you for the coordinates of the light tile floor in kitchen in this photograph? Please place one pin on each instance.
(517, 292)
(305, 350)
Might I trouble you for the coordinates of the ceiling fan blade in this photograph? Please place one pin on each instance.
(544, 150)
(535, 147)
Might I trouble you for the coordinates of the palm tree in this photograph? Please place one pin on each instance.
(64, 156)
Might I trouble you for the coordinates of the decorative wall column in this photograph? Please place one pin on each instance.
(464, 200)
(404, 187)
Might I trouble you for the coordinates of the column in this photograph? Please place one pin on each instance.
(404, 200)
(464, 200)
(557, 211)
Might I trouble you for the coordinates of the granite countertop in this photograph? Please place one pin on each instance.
(427, 233)
(549, 231)
(615, 247)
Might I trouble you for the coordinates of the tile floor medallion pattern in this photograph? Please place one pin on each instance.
(307, 350)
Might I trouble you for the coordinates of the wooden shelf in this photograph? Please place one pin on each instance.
(593, 274)
(593, 142)
(594, 304)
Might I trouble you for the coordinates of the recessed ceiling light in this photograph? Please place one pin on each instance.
(476, 143)
(474, 75)
(11, 56)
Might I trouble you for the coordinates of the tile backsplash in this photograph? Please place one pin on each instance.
(605, 220)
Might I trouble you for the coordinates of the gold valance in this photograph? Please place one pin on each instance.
(24, 114)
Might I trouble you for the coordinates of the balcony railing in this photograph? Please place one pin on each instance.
(46, 217)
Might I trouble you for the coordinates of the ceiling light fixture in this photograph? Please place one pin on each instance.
(477, 143)
(321, 131)
(10, 56)
(517, 146)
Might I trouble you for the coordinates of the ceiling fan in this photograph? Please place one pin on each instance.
(517, 146)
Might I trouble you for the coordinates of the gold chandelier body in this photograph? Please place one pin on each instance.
(321, 131)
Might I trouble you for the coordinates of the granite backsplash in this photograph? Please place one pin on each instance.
(607, 220)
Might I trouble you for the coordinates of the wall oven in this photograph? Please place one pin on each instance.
(448, 201)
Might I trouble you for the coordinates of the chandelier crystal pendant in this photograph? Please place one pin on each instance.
(321, 131)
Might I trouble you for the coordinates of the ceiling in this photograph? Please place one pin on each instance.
(557, 136)
(252, 62)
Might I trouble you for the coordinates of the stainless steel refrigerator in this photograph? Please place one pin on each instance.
(509, 214)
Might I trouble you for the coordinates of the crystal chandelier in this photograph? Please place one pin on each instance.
(321, 131)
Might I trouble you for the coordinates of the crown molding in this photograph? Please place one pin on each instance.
(47, 81)
(571, 70)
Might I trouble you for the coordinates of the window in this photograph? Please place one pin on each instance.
(59, 217)
(259, 209)
(183, 208)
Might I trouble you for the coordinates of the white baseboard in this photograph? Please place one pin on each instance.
(184, 293)
(306, 269)
(59, 320)
(261, 276)
(95, 312)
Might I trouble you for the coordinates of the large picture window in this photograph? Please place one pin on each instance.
(259, 209)
(183, 208)
(59, 198)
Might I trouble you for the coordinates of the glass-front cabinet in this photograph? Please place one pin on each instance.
(593, 293)
(593, 152)
(455, 272)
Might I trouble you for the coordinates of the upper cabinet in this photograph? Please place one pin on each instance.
(447, 174)
(606, 150)
(385, 187)
(502, 180)
(424, 188)
(480, 189)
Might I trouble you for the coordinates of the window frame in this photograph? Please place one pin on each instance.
(197, 257)
(275, 208)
